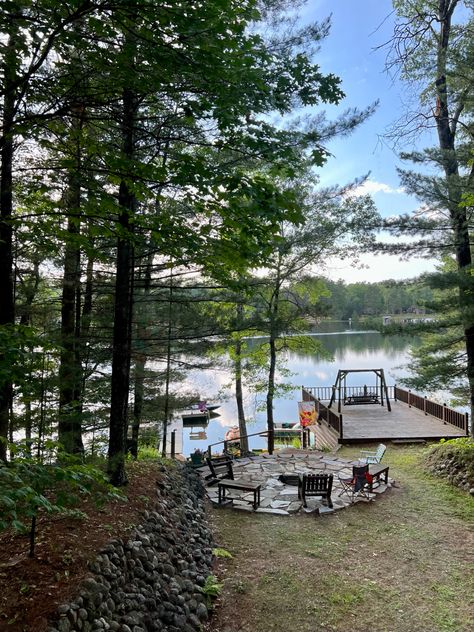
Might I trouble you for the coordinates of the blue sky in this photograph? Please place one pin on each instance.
(349, 52)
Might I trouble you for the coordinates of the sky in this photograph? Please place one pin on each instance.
(358, 28)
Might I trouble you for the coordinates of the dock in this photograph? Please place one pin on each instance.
(404, 416)
(376, 423)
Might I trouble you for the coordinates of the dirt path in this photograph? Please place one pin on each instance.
(404, 563)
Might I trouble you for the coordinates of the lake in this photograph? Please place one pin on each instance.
(349, 350)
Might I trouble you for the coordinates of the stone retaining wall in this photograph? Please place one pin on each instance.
(455, 471)
(152, 581)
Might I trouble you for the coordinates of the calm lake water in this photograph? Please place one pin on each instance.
(349, 350)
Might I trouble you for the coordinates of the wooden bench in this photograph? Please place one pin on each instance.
(315, 485)
(367, 456)
(246, 486)
(369, 398)
(220, 467)
(376, 471)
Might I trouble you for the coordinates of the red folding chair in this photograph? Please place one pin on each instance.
(359, 485)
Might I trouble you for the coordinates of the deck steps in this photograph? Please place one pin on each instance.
(325, 437)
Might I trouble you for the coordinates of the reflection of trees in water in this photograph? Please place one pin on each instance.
(339, 344)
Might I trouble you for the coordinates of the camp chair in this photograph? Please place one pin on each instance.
(359, 485)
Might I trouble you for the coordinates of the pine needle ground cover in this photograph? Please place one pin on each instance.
(403, 562)
(32, 588)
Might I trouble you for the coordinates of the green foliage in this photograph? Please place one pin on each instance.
(436, 58)
(213, 173)
(218, 552)
(147, 453)
(28, 486)
(211, 589)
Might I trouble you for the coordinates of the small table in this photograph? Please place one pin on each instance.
(377, 470)
(247, 486)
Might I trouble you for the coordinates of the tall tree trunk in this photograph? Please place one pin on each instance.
(244, 442)
(122, 309)
(446, 128)
(274, 305)
(69, 419)
(30, 290)
(168, 367)
(270, 395)
(7, 306)
(140, 361)
(138, 391)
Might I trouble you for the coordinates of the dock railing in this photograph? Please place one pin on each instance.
(324, 393)
(334, 420)
(225, 443)
(440, 411)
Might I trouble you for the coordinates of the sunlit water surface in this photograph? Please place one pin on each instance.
(348, 349)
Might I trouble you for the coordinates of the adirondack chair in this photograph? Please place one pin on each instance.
(220, 467)
(368, 456)
(315, 485)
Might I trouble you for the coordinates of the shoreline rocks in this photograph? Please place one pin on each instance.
(153, 581)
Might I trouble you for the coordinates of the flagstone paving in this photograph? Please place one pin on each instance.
(282, 499)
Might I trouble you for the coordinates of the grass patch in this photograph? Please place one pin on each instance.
(401, 563)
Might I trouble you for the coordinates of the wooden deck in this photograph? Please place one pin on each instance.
(374, 423)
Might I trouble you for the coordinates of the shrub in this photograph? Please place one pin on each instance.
(28, 486)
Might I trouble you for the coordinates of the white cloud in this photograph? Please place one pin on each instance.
(372, 186)
(373, 268)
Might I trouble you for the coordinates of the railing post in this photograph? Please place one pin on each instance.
(340, 427)
(467, 424)
(424, 406)
(395, 393)
(409, 405)
(173, 443)
(444, 411)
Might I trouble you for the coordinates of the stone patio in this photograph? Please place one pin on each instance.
(278, 498)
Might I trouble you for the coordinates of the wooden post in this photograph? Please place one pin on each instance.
(395, 392)
(409, 405)
(173, 444)
(424, 406)
(340, 427)
(467, 424)
(444, 412)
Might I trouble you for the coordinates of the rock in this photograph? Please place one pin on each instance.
(64, 625)
(194, 621)
(201, 612)
(63, 608)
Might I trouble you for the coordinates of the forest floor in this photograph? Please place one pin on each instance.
(403, 562)
(32, 588)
